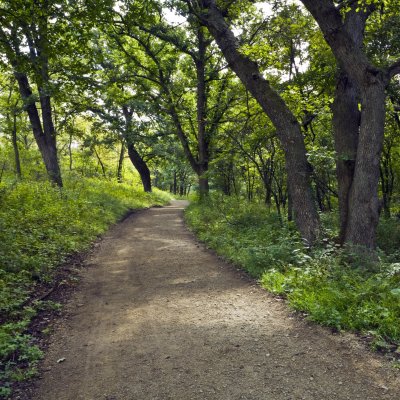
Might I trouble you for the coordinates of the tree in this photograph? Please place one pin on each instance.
(344, 36)
(288, 128)
(26, 25)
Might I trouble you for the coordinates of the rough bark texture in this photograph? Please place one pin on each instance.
(44, 136)
(346, 123)
(287, 126)
(43, 130)
(364, 202)
(363, 215)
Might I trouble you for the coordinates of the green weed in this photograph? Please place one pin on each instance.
(41, 225)
(335, 287)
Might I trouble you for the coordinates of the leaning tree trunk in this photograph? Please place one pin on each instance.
(140, 166)
(133, 154)
(44, 135)
(288, 129)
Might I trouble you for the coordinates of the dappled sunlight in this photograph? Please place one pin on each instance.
(162, 318)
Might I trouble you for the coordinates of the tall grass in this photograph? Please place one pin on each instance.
(40, 225)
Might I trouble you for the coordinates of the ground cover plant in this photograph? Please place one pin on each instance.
(334, 286)
(40, 225)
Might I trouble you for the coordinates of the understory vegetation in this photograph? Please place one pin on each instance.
(291, 106)
(334, 286)
(40, 225)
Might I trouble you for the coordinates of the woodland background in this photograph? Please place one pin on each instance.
(280, 118)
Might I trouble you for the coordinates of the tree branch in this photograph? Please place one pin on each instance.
(394, 69)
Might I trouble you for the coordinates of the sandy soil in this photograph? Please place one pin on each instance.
(157, 316)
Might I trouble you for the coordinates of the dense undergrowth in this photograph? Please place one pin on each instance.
(40, 226)
(333, 286)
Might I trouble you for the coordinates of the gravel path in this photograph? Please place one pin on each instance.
(157, 316)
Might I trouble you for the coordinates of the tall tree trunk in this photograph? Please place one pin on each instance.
(364, 201)
(134, 156)
(45, 140)
(346, 123)
(14, 140)
(203, 142)
(102, 166)
(288, 129)
(363, 212)
(121, 161)
(50, 152)
(15, 147)
(140, 166)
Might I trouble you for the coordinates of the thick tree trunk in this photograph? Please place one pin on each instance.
(345, 40)
(364, 201)
(140, 166)
(287, 126)
(50, 150)
(346, 123)
(203, 186)
(44, 136)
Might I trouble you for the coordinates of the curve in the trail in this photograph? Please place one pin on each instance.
(157, 316)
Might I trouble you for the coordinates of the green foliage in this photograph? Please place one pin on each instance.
(389, 238)
(40, 225)
(329, 284)
(245, 233)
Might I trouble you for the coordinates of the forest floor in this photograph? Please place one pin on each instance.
(158, 316)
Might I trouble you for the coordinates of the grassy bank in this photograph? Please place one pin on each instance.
(40, 226)
(332, 285)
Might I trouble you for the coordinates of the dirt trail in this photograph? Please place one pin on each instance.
(159, 317)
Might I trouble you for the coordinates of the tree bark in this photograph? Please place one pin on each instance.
(121, 161)
(288, 129)
(346, 123)
(364, 202)
(363, 208)
(140, 166)
(14, 140)
(203, 142)
(45, 139)
(134, 155)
